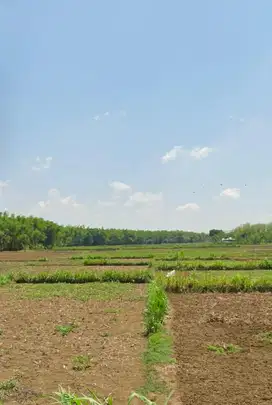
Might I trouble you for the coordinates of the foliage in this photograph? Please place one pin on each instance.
(214, 265)
(181, 283)
(66, 397)
(224, 348)
(156, 308)
(116, 262)
(65, 329)
(136, 276)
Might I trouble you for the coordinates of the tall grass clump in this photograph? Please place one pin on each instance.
(66, 397)
(191, 282)
(5, 278)
(156, 308)
(136, 276)
(111, 262)
(214, 265)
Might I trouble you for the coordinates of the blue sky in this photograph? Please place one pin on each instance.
(132, 114)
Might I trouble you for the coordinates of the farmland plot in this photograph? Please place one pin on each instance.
(223, 345)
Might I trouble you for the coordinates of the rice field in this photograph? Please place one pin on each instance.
(148, 319)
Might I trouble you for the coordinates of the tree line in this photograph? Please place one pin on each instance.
(18, 232)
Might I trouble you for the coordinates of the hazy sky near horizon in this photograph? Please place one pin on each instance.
(137, 114)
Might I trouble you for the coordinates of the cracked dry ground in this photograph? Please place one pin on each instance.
(205, 377)
(40, 358)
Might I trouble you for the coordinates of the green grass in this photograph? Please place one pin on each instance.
(214, 265)
(225, 348)
(209, 282)
(81, 362)
(65, 329)
(156, 308)
(117, 256)
(6, 387)
(67, 397)
(133, 276)
(82, 292)
(265, 337)
(159, 346)
(5, 279)
(117, 262)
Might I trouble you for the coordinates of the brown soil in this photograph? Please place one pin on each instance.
(206, 378)
(34, 353)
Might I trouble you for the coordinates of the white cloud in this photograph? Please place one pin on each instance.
(4, 184)
(231, 193)
(119, 186)
(96, 118)
(172, 154)
(43, 204)
(106, 203)
(200, 153)
(42, 164)
(195, 153)
(145, 198)
(188, 206)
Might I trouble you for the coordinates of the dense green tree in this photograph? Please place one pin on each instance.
(19, 232)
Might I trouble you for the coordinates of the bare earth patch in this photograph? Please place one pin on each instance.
(34, 352)
(205, 377)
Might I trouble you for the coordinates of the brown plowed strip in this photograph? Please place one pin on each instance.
(206, 378)
(32, 351)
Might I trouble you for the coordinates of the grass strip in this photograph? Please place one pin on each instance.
(159, 345)
(216, 265)
(181, 283)
(136, 276)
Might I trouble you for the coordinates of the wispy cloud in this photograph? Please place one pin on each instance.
(4, 184)
(107, 114)
(106, 203)
(172, 154)
(42, 163)
(55, 198)
(231, 193)
(119, 186)
(188, 206)
(200, 153)
(195, 153)
(143, 198)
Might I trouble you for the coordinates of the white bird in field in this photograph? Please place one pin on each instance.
(171, 273)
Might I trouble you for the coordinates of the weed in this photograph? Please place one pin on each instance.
(65, 329)
(5, 278)
(66, 397)
(159, 349)
(265, 337)
(81, 363)
(6, 386)
(224, 348)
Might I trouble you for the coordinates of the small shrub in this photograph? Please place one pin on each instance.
(81, 363)
(224, 349)
(65, 329)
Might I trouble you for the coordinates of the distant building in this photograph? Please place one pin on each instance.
(228, 240)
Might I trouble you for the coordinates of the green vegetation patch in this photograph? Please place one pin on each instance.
(225, 348)
(82, 292)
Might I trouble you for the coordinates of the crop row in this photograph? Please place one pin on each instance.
(212, 283)
(216, 265)
(138, 276)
